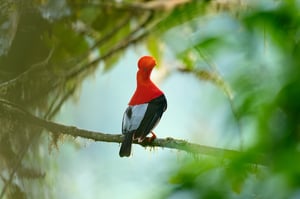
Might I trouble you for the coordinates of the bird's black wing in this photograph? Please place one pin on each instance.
(132, 118)
(154, 111)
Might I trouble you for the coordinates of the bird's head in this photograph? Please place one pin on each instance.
(146, 63)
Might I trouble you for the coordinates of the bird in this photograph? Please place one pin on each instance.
(145, 108)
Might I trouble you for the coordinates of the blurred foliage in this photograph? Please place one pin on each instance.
(47, 48)
(248, 49)
(260, 41)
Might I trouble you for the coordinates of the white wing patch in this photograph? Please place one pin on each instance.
(133, 116)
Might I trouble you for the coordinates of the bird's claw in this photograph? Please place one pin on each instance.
(152, 138)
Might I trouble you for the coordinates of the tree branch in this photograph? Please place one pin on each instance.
(128, 40)
(19, 113)
(157, 5)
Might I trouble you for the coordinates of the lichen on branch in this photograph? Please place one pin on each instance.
(8, 108)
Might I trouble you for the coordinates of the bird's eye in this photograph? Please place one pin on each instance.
(145, 69)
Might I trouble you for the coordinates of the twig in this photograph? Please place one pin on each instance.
(218, 80)
(14, 169)
(111, 33)
(33, 67)
(157, 5)
(129, 40)
(228, 92)
(52, 110)
(28, 143)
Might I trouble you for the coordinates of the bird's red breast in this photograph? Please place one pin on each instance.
(146, 90)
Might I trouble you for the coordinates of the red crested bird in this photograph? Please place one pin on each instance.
(145, 107)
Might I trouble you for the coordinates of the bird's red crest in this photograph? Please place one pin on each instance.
(146, 90)
(146, 62)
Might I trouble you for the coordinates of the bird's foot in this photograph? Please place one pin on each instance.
(152, 138)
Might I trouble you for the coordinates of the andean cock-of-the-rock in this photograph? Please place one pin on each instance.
(145, 108)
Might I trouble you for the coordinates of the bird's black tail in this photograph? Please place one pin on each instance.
(125, 149)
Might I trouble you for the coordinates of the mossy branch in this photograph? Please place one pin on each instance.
(8, 108)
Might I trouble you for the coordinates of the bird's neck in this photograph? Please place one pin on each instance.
(146, 90)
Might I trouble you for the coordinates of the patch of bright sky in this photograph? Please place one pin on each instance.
(96, 169)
